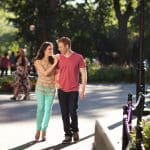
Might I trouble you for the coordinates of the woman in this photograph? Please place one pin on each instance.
(44, 64)
(22, 82)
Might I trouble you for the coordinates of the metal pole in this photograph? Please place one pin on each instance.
(140, 86)
(125, 139)
(140, 79)
(127, 123)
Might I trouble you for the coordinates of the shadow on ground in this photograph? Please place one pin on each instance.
(26, 145)
(55, 147)
(98, 97)
(60, 146)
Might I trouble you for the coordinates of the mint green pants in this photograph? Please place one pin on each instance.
(44, 110)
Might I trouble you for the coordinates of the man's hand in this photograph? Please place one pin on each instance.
(82, 94)
(83, 84)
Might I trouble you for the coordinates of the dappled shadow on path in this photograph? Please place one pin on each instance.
(17, 112)
(98, 97)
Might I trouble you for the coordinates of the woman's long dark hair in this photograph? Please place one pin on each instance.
(41, 51)
(22, 56)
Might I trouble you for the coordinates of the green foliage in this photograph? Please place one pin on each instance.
(6, 84)
(124, 3)
(111, 73)
(92, 25)
(146, 134)
(145, 124)
(86, 24)
(7, 32)
(41, 14)
(135, 27)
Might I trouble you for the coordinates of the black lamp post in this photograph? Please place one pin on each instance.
(140, 86)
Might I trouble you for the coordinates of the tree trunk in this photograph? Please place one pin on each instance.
(48, 20)
(122, 28)
(123, 39)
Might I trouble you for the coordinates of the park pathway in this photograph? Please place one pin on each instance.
(103, 101)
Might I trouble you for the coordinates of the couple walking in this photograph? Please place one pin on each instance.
(62, 69)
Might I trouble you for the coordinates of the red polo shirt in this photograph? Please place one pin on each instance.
(69, 71)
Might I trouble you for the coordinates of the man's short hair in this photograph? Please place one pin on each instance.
(65, 41)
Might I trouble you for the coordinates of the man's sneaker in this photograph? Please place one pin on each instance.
(67, 140)
(75, 137)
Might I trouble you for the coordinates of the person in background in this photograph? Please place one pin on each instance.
(0, 62)
(44, 63)
(21, 83)
(12, 60)
(70, 65)
(4, 65)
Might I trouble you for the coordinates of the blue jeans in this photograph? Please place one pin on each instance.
(44, 110)
(69, 104)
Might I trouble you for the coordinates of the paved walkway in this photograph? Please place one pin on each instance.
(103, 101)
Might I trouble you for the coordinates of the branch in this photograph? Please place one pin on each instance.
(62, 2)
(117, 9)
(129, 10)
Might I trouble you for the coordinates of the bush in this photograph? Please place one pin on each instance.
(146, 135)
(111, 73)
(6, 84)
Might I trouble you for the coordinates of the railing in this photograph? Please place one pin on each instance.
(139, 107)
(127, 122)
(128, 112)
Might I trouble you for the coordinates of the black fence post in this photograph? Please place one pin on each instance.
(124, 131)
(130, 111)
(140, 79)
(140, 108)
(140, 85)
(127, 122)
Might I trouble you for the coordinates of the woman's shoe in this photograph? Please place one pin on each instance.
(43, 136)
(18, 97)
(37, 135)
(26, 97)
(13, 98)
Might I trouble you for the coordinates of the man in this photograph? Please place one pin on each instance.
(70, 65)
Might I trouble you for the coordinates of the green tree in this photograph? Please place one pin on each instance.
(135, 27)
(85, 23)
(7, 33)
(35, 20)
(97, 27)
(73, 21)
(123, 15)
(40, 14)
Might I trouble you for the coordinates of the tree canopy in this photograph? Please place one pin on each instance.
(98, 28)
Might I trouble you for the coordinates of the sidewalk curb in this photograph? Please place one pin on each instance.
(102, 140)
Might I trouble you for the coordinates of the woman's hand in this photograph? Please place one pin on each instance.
(55, 60)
